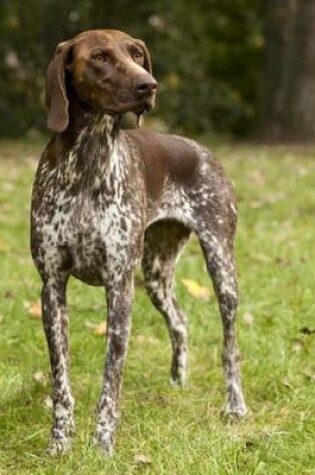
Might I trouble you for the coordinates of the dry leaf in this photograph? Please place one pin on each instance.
(147, 339)
(7, 186)
(197, 290)
(47, 403)
(261, 258)
(298, 344)
(34, 309)
(39, 377)
(143, 459)
(97, 328)
(3, 246)
(248, 318)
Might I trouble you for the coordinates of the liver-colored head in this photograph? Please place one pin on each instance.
(105, 70)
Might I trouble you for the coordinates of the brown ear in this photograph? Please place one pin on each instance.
(56, 94)
(147, 59)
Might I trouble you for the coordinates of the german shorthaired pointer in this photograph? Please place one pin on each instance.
(104, 199)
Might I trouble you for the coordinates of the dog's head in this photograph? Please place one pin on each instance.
(106, 69)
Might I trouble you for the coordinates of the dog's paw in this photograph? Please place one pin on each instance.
(105, 443)
(178, 383)
(59, 443)
(237, 411)
(178, 376)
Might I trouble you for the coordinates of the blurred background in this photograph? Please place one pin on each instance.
(241, 68)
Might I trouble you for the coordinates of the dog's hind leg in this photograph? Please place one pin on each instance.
(163, 241)
(217, 250)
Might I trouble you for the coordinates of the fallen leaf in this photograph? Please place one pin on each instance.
(47, 402)
(3, 246)
(97, 328)
(302, 171)
(285, 409)
(142, 459)
(261, 258)
(39, 377)
(197, 290)
(298, 344)
(7, 186)
(34, 309)
(248, 318)
(147, 339)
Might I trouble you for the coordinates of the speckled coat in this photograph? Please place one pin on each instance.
(105, 200)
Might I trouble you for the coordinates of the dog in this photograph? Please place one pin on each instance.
(106, 199)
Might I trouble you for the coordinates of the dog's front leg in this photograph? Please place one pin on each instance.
(119, 302)
(55, 320)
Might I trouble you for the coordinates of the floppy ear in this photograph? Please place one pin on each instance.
(55, 93)
(147, 59)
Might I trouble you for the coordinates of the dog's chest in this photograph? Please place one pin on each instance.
(96, 215)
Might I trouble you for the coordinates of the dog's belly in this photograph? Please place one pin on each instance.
(88, 260)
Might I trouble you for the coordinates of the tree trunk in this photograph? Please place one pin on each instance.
(289, 87)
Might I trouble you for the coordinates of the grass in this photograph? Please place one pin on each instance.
(175, 432)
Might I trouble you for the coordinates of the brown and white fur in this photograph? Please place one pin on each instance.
(106, 199)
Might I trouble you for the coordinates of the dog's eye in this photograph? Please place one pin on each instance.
(100, 56)
(137, 55)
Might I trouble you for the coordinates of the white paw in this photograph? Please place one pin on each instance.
(104, 442)
(178, 383)
(236, 411)
(59, 445)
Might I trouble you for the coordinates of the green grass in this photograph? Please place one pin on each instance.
(180, 432)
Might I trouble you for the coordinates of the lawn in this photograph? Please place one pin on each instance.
(162, 430)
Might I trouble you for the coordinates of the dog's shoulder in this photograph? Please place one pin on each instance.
(166, 153)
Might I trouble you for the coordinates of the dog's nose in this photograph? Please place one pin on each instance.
(146, 86)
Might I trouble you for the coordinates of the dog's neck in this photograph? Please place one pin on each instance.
(89, 145)
(102, 129)
(86, 124)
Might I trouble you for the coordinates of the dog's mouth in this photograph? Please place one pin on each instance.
(144, 105)
(128, 101)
